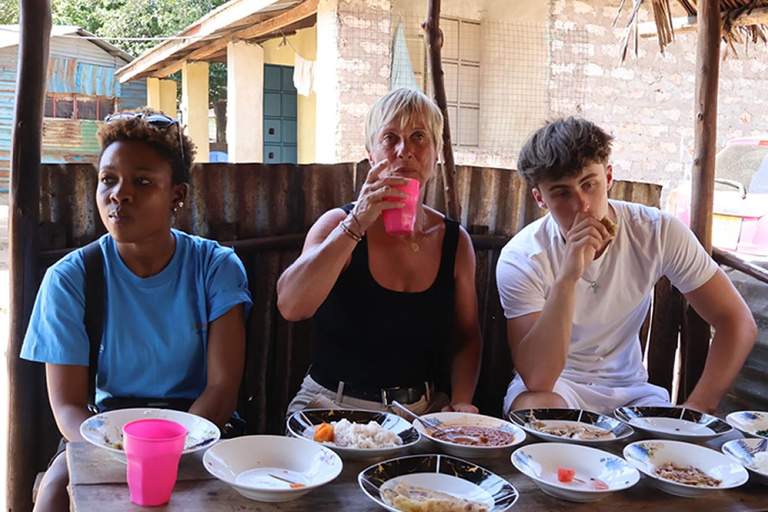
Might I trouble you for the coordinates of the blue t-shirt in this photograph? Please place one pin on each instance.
(155, 334)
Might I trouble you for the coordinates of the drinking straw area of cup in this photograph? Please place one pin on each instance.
(154, 430)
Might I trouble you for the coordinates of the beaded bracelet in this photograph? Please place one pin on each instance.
(351, 234)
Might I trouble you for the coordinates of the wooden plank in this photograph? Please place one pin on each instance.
(665, 326)
(696, 332)
(217, 20)
(272, 25)
(434, 41)
(25, 422)
(730, 260)
(344, 493)
(758, 16)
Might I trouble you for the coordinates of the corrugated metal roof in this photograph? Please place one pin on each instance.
(9, 36)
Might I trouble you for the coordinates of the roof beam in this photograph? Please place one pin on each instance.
(757, 16)
(206, 26)
(298, 13)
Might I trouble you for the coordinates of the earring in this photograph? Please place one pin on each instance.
(181, 204)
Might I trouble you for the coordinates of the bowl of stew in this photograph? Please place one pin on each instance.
(471, 435)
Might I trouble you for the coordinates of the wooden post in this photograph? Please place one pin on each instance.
(26, 146)
(434, 40)
(696, 332)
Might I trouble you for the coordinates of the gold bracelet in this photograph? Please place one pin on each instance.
(351, 234)
(360, 226)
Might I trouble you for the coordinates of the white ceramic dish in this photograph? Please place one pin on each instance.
(105, 430)
(649, 455)
(675, 423)
(451, 420)
(572, 417)
(302, 424)
(594, 467)
(745, 451)
(451, 475)
(751, 423)
(250, 463)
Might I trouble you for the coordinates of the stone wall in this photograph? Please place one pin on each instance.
(648, 103)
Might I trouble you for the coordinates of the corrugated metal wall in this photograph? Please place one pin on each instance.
(8, 67)
(264, 210)
(75, 66)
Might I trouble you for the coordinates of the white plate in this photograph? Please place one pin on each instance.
(750, 422)
(541, 462)
(248, 463)
(105, 430)
(676, 423)
(553, 417)
(444, 473)
(744, 452)
(302, 424)
(648, 455)
(449, 420)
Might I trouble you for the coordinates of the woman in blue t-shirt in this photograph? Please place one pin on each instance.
(174, 304)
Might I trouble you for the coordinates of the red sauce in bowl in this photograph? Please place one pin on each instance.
(474, 436)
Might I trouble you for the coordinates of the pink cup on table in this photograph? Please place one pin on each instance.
(153, 448)
(400, 221)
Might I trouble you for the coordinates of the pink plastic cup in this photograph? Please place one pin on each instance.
(153, 448)
(400, 221)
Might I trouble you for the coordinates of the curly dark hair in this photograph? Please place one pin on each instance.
(167, 141)
(561, 149)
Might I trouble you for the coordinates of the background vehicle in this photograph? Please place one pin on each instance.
(740, 213)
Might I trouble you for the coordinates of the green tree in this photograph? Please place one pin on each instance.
(9, 12)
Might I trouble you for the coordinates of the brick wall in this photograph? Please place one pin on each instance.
(648, 103)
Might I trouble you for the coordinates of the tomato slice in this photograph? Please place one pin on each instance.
(565, 475)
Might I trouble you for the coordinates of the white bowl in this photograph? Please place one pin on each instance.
(105, 430)
(248, 464)
(676, 423)
(648, 455)
(444, 473)
(540, 462)
(449, 420)
(750, 422)
(571, 417)
(302, 424)
(744, 451)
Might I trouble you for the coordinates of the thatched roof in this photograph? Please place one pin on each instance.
(742, 21)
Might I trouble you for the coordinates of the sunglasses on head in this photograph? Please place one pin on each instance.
(160, 121)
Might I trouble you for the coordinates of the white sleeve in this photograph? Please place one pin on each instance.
(521, 287)
(685, 262)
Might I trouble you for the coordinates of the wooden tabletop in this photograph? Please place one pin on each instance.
(97, 483)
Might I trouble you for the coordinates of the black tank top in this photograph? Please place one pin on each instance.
(369, 336)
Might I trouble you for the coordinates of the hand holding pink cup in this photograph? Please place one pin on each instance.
(153, 448)
(400, 221)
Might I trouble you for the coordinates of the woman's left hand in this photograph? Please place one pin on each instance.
(461, 407)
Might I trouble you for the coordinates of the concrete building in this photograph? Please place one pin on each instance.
(509, 65)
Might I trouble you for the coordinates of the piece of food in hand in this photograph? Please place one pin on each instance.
(412, 498)
(324, 433)
(609, 225)
(565, 475)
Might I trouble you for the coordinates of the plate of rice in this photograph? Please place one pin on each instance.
(355, 434)
(752, 454)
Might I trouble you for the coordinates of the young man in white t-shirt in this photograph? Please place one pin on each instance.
(575, 294)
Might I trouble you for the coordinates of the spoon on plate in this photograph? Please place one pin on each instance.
(431, 424)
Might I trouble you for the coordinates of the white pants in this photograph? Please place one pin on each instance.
(314, 396)
(597, 398)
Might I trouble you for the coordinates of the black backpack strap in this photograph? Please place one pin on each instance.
(94, 310)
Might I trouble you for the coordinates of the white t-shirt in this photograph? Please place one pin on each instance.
(605, 347)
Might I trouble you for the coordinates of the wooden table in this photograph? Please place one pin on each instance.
(97, 483)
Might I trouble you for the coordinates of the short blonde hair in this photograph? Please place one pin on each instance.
(405, 106)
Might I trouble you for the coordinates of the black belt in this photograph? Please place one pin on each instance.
(402, 394)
